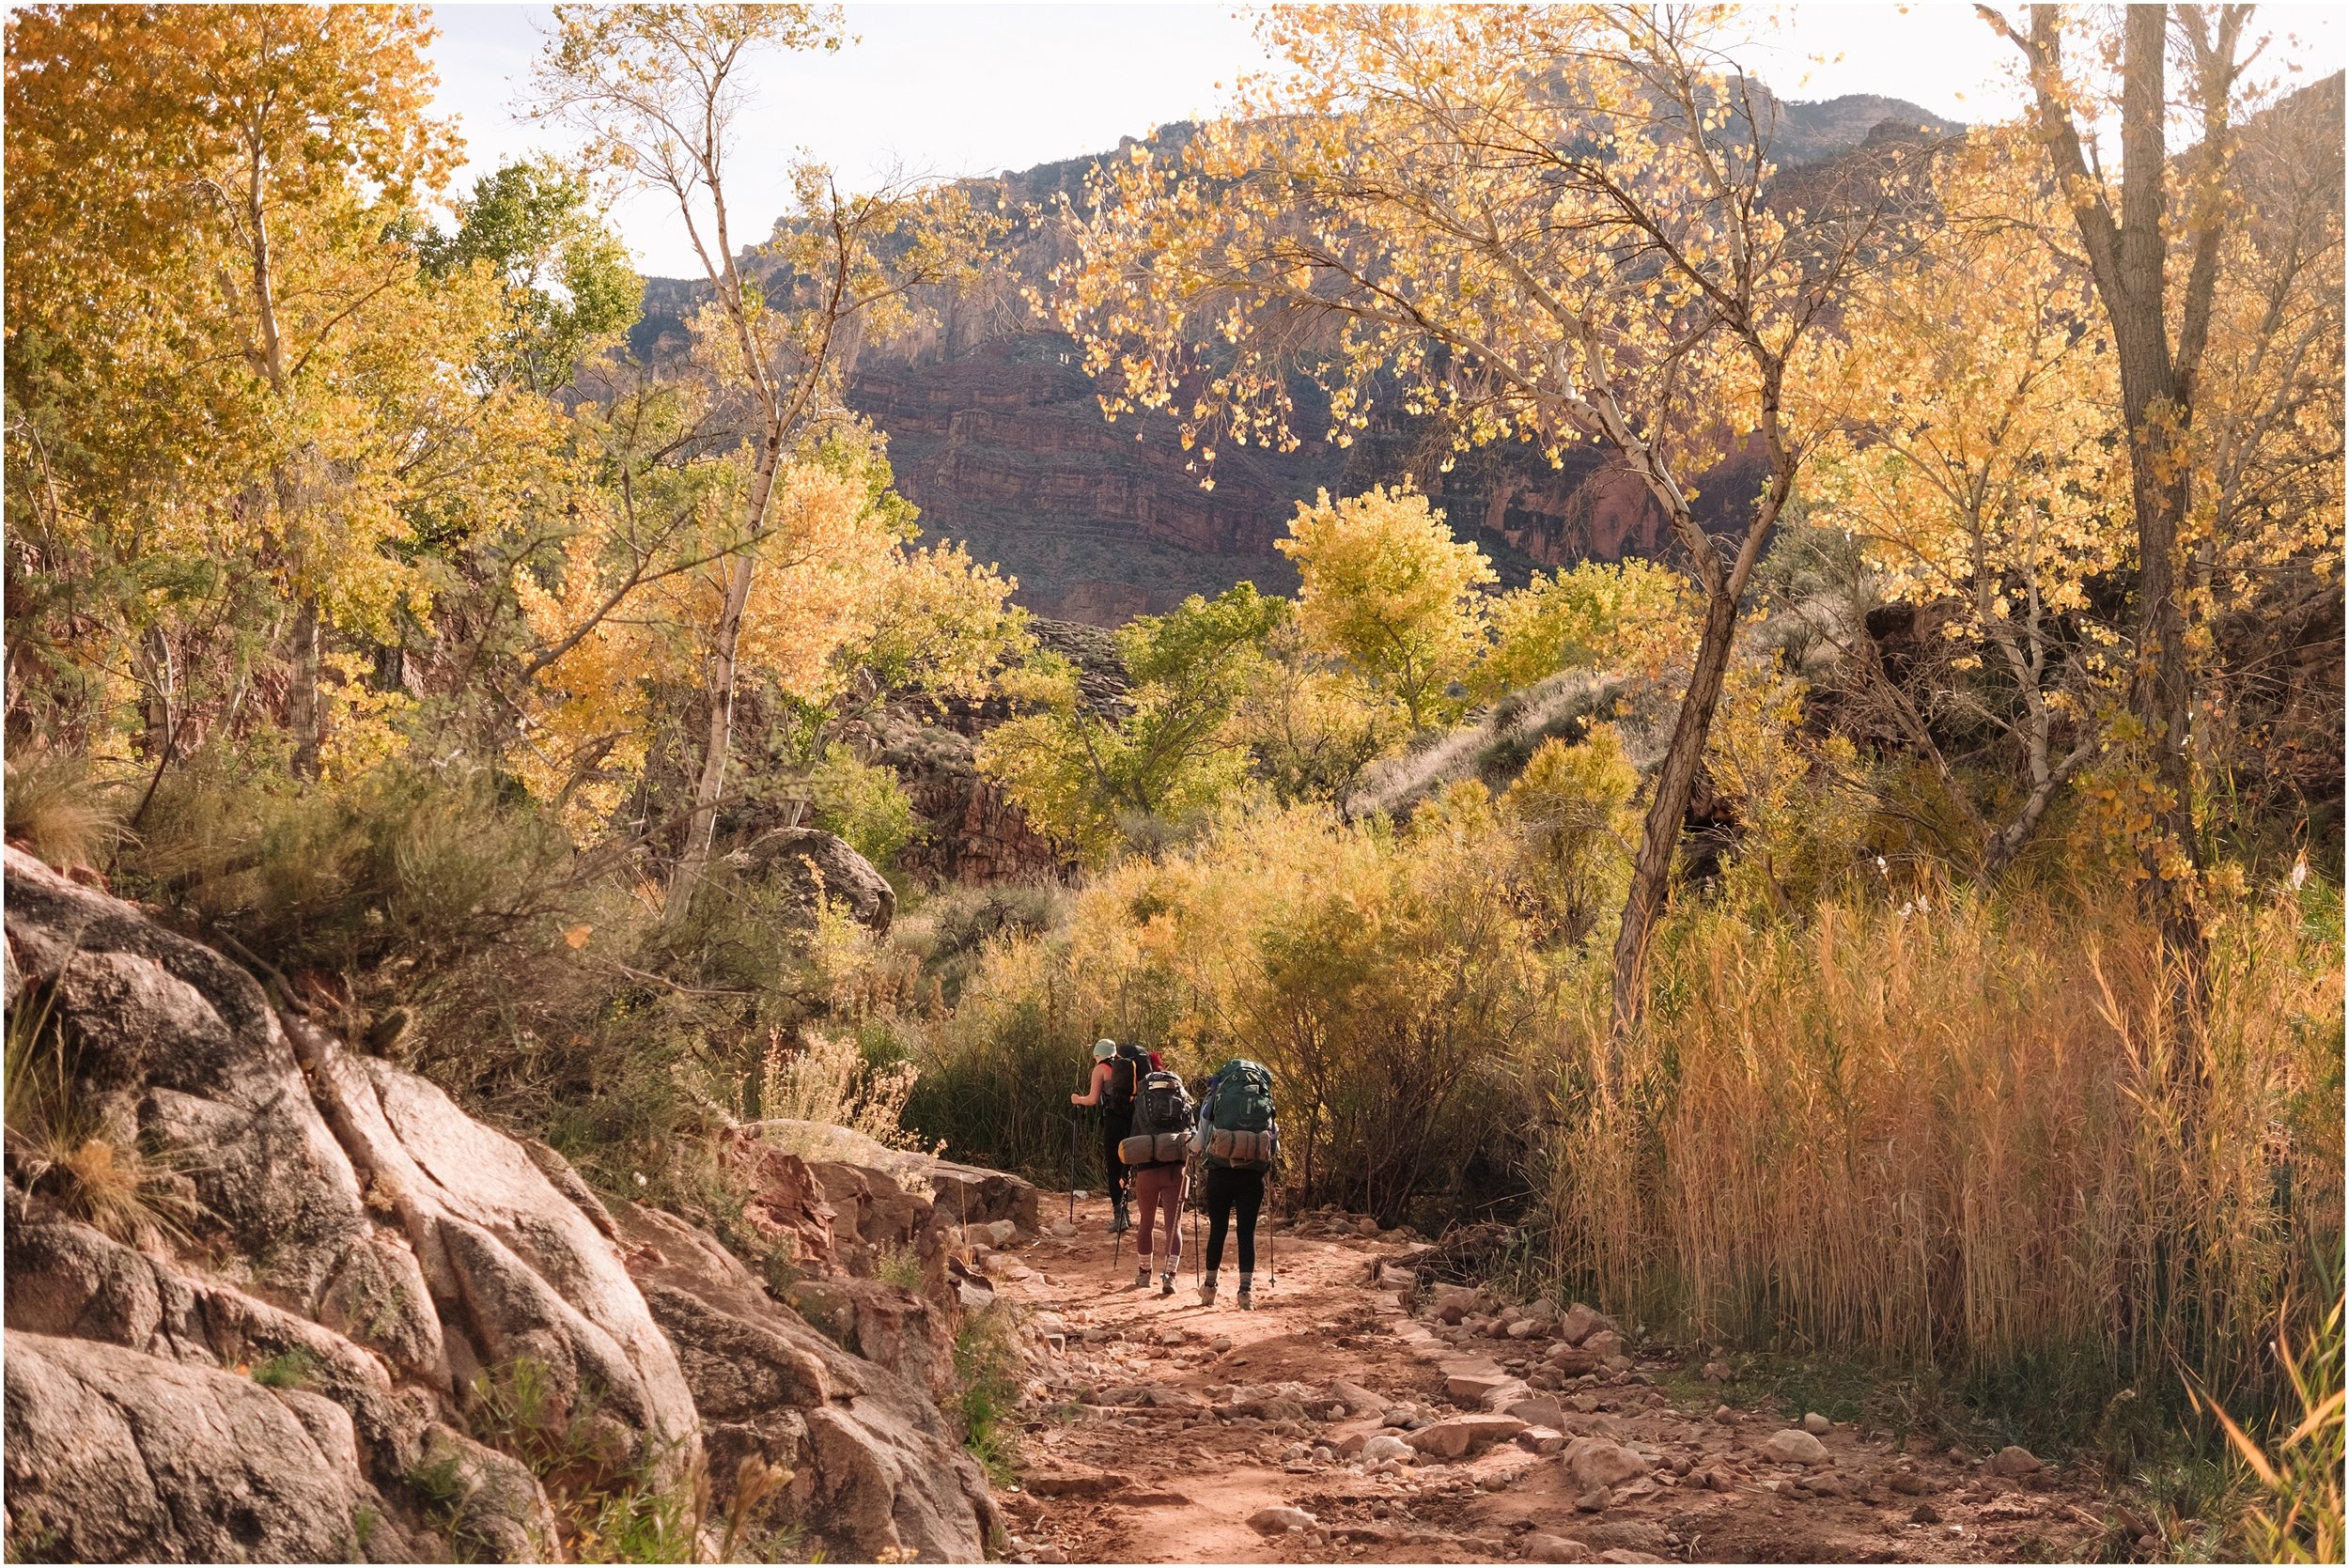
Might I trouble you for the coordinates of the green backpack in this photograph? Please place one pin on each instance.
(1242, 1134)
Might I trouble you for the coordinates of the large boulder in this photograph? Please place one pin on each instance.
(520, 1270)
(1795, 1445)
(888, 1324)
(975, 1195)
(1456, 1437)
(782, 1200)
(817, 866)
(118, 1456)
(873, 1215)
(182, 1049)
(1594, 1461)
(324, 1360)
(876, 1467)
(70, 1282)
(963, 1195)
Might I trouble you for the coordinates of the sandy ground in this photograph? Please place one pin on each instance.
(1176, 1480)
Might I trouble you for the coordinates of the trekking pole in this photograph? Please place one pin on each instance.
(1072, 1168)
(1271, 1247)
(1198, 1249)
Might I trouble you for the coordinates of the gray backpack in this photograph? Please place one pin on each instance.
(1162, 1113)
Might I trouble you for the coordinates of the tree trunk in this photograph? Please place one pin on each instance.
(2157, 416)
(1651, 870)
(2126, 261)
(710, 787)
(2008, 842)
(302, 716)
(722, 674)
(160, 673)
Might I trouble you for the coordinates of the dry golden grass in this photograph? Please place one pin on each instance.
(1964, 1132)
(827, 1081)
(65, 1148)
(58, 810)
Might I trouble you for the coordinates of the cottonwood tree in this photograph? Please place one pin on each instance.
(237, 385)
(1974, 453)
(2156, 233)
(2264, 544)
(1093, 778)
(1633, 615)
(1383, 584)
(569, 289)
(1311, 723)
(659, 91)
(642, 594)
(1548, 225)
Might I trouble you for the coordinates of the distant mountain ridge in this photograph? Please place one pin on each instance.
(995, 433)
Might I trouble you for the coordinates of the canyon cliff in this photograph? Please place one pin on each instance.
(995, 433)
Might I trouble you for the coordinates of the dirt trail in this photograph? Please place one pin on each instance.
(1154, 1428)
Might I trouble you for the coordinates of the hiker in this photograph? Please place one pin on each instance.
(1240, 1138)
(1157, 1153)
(1117, 1072)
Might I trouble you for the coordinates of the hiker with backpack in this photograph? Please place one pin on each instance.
(1156, 1153)
(1240, 1137)
(1117, 1075)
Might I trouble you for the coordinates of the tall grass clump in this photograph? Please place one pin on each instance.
(58, 808)
(1963, 1131)
(827, 1080)
(81, 1149)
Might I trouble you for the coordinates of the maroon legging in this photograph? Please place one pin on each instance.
(1156, 1187)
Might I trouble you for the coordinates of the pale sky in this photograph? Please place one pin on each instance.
(973, 89)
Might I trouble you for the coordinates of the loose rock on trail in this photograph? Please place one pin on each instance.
(1347, 1420)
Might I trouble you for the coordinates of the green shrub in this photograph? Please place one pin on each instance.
(901, 1266)
(287, 1369)
(987, 1384)
(612, 1503)
(405, 864)
(863, 804)
(1386, 977)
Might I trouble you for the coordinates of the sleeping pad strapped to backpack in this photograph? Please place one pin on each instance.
(1162, 1113)
(1241, 1133)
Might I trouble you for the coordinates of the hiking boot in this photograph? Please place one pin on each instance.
(1141, 1280)
(1207, 1290)
(1247, 1294)
(1119, 1224)
(1166, 1284)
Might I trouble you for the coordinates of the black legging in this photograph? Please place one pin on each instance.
(1118, 1123)
(1228, 1189)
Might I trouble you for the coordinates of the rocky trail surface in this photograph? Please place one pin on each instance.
(1345, 1420)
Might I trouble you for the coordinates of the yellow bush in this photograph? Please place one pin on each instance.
(1385, 978)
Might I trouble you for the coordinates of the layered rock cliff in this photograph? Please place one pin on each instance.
(972, 831)
(995, 433)
(270, 1298)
